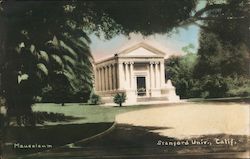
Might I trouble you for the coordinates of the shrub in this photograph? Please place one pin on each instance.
(120, 98)
(238, 86)
(94, 99)
(214, 86)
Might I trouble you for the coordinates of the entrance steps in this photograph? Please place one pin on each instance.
(140, 99)
(148, 99)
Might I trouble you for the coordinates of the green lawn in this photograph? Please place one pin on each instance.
(86, 113)
(90, 120)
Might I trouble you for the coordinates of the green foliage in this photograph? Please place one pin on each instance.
(48, 45)
(213, 86)
(235, 31)
(223, 56)
(215, 57)
(224, 44)
(180, 71)
(209, 55)
(238, 86)
(188, 49)
(94, 99)
(120, 98)
(146, 17)
(193, 76)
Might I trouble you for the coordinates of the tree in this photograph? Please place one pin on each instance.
(50, 47)
(180, 71)
(210, 55)
(94, 99)
(119, 98)
(226, 50)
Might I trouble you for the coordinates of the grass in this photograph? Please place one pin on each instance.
(88, 113)
(87, 120)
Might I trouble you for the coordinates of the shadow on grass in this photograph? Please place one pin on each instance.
(42, 117)
(56, 135)
(128, 140)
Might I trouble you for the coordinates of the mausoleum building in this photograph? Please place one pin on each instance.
(139, 71)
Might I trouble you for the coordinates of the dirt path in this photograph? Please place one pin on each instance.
(190, 120)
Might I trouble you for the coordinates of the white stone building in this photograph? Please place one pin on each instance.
(139, 71)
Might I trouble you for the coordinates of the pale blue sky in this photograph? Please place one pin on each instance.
(170, 44)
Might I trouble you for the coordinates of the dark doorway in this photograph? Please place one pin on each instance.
(141, 86)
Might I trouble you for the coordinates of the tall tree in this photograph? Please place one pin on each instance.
(224, 51)
(180, 70)
(225, 43)
(37, 47)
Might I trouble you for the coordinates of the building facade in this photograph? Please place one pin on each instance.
(138, 71)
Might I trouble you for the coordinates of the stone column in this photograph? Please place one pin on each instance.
(152, 75)
(114, 77)
(96, 79)
(103, 78)
(110, 77)
(99, 79)
(157, 75)
(127, 74)
(162, 73)
(131, 75)
(107, 78)
(121, 75)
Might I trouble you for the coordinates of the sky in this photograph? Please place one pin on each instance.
(171, 44)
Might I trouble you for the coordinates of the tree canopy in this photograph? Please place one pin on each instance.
(225, 43)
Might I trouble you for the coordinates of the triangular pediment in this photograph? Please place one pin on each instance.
(141, 50)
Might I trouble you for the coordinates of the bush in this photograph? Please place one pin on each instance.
(214, 86)
(238, 86)
(120, 98)
(94, 99)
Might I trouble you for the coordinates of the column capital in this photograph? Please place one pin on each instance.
(126, 62)
(152, 62)
(131, 62)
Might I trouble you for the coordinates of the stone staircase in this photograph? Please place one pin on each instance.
(148, 99)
